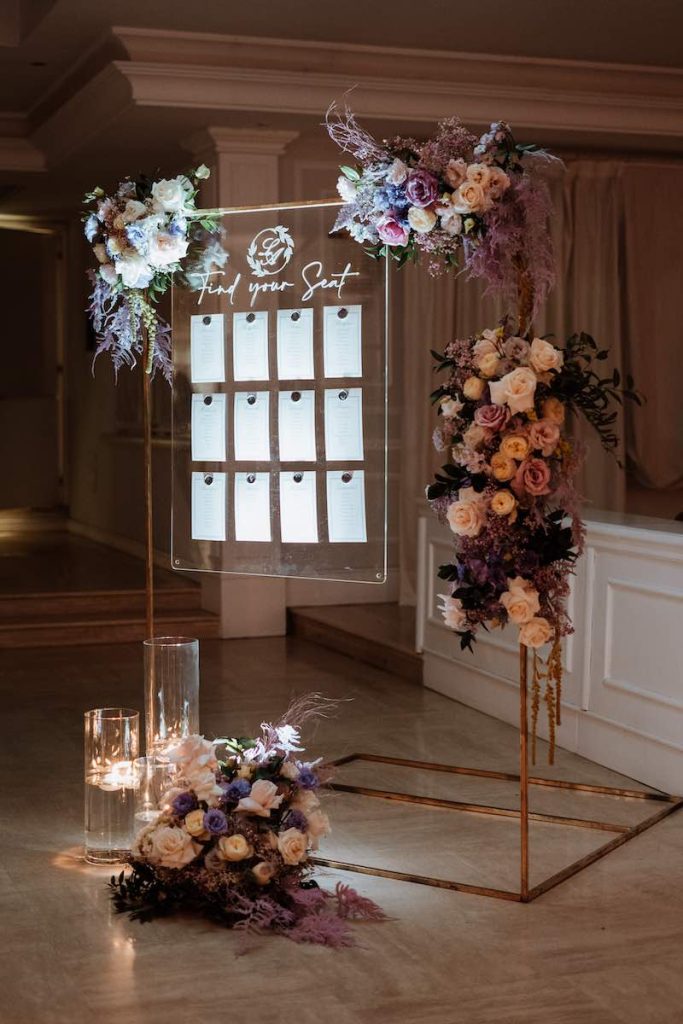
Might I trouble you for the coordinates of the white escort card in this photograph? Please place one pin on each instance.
(298, 508)
(346, 507)
(342, 341)
(252, 506)
(207, 352)
(252, 426)
(296, 420)
(344, 424)
(208, 506)
(250, 346)
(295, 344)
(208, 428)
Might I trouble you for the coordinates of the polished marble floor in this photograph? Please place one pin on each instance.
(605, 948)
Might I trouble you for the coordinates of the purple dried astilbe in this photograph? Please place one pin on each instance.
(323, 930)
(118, 329)
(351, 905)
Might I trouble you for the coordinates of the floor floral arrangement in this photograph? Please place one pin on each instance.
(234, 837)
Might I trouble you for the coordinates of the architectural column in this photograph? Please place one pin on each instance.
(245, 170)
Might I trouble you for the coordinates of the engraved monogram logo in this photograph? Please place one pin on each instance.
(270, 251)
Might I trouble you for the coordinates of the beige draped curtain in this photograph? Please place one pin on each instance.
(616, 231)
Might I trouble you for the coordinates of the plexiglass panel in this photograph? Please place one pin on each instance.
(280, 402)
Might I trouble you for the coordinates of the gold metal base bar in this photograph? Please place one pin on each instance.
(624, 833)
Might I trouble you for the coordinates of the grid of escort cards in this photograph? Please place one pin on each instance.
(243, 419)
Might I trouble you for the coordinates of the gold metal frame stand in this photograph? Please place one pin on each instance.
(622, 833)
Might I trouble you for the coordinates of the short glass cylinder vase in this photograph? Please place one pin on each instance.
(153, 780)
(112, 743)
(171, 691)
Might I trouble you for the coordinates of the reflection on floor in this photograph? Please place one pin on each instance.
(60, 588)
(604, 948)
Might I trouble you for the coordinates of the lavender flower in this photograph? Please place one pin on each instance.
(296, 819)
(236, 790)
(184, 803)
(307, 778)
(215, 822)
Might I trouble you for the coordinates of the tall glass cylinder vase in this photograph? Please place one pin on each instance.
(171, 691)
(112, 743)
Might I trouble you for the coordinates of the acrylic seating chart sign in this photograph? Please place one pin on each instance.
(280, 401)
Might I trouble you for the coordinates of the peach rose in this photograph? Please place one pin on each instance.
(454, 615)
(471, 197)
(293, 846)
(515, 446)
(553, 409)
(263, 872)
(535, 632)
(544, 357)
(516, 389)
(503, 503)
(456, 172)
(520, 600)
(234, 848)
(467, 515)
(480, 174)
(484, 346)
(488, 364)
(474, 436)
(498, 182)
(502, 467)
(544, 434)
(262, 799)
(473, 388)
(318, 828)
(194, 823)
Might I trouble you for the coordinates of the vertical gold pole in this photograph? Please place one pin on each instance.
(147, 457)
(523, 775)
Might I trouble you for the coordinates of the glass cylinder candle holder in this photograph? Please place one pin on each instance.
(171, 691)
(112, 743)
(154, 779)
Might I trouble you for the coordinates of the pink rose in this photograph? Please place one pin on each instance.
(391, 232)
(533, 476)
(544, 435)
(492, 417)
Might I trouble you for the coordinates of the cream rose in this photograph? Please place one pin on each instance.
(502, 467)
(554, 410)
(515, 446)
(263, 872)
(318, 828)
(454, 615)
(503, 503)
(203, 782)
(194, 823)
(169, 195)
(234, 848)
(544, 434)
(193, 752)
(451, 220)
(450, 407)
(520, 600)
(498, 182)
(165, 249)
(305, 801)
(397, 173)
(484, 346)
(544, 357)
(293, 846)
(489, 364)
(467, 515)
(134, 270)
(172, 847)
(473, 388)
(516, 389)
(421, 220)
(262, 800)
(535, 632)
